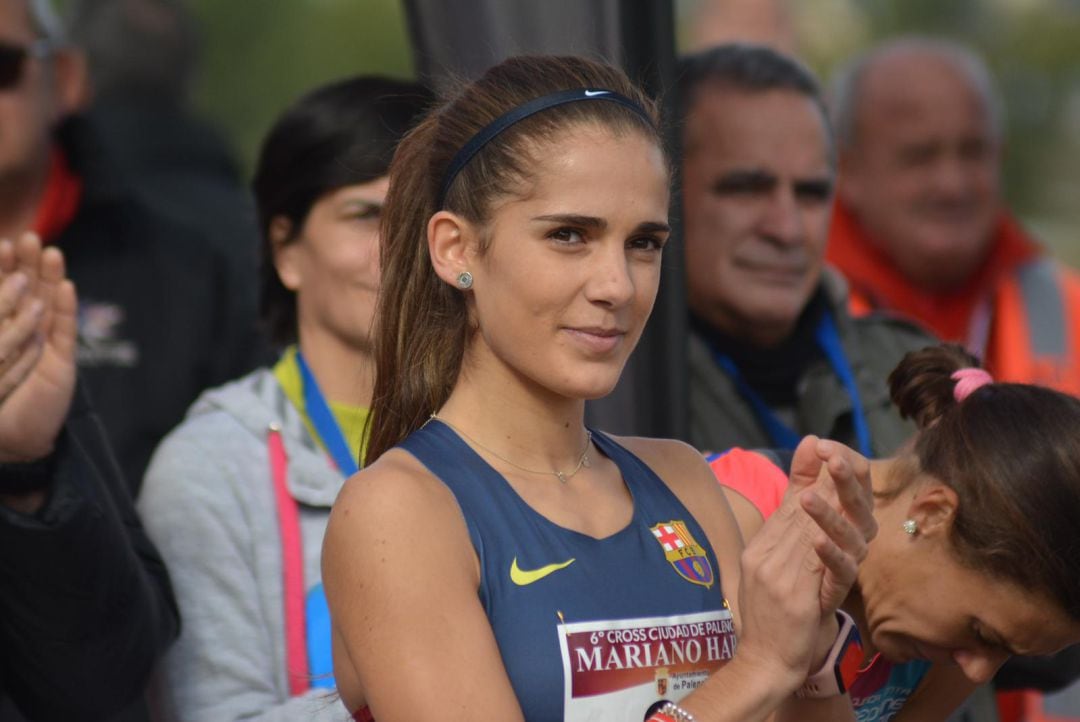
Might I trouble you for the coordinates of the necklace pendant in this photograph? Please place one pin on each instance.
(561, 476)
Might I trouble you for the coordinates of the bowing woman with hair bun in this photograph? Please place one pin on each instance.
(497, 560)
(976, 558)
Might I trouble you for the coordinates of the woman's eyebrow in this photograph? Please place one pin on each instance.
(574, 219)
(653, 227)
(582, 221)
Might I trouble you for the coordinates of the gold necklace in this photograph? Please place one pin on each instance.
(561, 476)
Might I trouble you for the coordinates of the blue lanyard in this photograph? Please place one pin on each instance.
(326, 426)
(828, 339)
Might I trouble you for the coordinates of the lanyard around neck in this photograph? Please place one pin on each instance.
(828, 340)
(323, 421)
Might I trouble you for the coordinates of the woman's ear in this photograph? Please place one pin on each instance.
(284, 252)
(933, 509)
(450, 243)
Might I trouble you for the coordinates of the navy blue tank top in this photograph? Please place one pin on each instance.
(589, 628)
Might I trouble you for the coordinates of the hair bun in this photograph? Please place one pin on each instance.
(922, 385)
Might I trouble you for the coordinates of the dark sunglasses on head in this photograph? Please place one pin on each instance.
(13, 60)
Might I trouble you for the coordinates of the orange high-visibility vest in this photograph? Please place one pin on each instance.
(1035, 335)
(1021, 314)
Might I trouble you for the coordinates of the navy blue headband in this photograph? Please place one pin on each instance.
(504, 121)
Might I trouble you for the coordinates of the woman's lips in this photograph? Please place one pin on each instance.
(597, 340)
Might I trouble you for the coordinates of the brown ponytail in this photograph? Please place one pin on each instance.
(421, 322)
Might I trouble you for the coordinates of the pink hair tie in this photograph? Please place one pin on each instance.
(968, 380)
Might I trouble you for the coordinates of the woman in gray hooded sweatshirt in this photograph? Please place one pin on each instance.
(237, 497)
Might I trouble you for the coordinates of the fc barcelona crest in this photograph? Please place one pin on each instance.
(685, 555)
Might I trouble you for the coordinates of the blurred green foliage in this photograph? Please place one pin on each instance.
(259, 55)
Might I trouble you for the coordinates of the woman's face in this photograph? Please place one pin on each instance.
(922, 603)
(568, 280)
(333, 264)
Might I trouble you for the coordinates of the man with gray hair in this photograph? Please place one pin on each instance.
(773, 353)
(920, 227)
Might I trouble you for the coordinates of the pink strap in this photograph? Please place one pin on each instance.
(292, 562)
(968, 380)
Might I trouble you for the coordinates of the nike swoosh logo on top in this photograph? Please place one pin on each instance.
(523, 577)
(594, 93)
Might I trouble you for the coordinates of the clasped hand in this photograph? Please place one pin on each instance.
(801, 565)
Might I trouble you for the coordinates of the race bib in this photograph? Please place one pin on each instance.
(621, 669)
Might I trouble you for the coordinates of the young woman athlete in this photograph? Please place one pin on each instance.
(500, 561)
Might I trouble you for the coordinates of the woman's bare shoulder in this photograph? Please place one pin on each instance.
(395, 497)
(396, 541)
(684, 470)
(397, 478)
(676, 462)
(396, 514)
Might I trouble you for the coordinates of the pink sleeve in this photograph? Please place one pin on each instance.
(753, 476)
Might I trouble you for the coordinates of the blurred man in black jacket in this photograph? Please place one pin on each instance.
(163, 313)
(85, 601)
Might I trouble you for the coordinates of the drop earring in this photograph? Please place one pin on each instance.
(464, 280)
(910, 527)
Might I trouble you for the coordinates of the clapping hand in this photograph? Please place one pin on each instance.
(37, 348)
(802, 563)
(832, 484)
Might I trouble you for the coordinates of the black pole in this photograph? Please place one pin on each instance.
(652, 396)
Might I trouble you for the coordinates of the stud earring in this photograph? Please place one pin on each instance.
(464, 280)
(910, 527)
